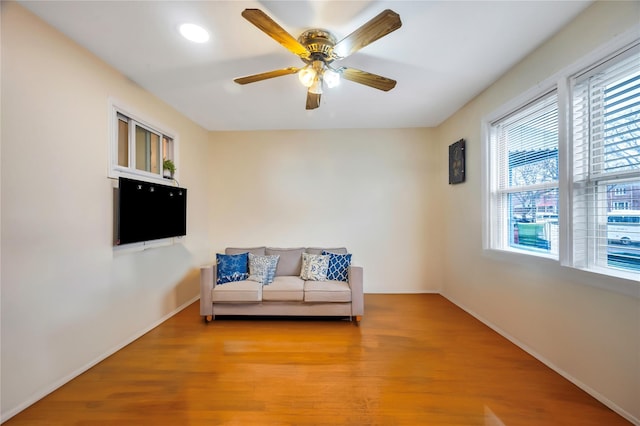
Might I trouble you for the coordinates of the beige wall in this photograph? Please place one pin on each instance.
(373, 191)
(587, 333)
(67, 299)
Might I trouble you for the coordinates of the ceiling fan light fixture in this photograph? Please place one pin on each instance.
(316, 87)
(194, 33)
(331, 78)
(307, 75)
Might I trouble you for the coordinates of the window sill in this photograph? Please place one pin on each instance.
(140, 175)
(522, 257)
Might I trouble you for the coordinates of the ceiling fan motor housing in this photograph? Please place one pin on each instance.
(319, 43)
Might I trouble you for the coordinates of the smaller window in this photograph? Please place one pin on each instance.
(524, 164)
(138, 149)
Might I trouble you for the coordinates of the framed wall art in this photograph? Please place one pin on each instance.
(456, 162)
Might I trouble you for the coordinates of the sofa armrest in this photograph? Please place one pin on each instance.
(357, 292)
(207, 283)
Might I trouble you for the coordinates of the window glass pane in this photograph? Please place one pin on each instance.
(623, 225)
(123, 143)
(621, 130)
(147, 150)
(167, 148)
(533, 166)
(534, 220)
(529, 139)
(607, 119)
(155, 160)
(141, 148)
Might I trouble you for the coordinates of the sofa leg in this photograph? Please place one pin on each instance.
(208, 318)
(358, 318)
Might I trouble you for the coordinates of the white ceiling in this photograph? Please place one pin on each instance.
(445, 53)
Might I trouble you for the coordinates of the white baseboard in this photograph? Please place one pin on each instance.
(64, 380)
(628, 416)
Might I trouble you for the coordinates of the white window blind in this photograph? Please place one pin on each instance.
(524, 198)
(606, 164)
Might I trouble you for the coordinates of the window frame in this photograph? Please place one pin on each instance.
(621, 281)
(116, 111)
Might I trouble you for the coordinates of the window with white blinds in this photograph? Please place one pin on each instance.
(605, 127)
(563, 172)
(524, 148)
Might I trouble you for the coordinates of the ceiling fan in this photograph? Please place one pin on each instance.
(318, 49)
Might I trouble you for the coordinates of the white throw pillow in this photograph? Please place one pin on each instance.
(314, 267)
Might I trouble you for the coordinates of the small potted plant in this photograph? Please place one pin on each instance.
(168, 168)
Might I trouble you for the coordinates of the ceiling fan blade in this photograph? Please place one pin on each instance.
(387, 21)
(266, 75)
(275, 31)
(368, 79)
(313, 100)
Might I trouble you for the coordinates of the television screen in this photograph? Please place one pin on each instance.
(149, 211)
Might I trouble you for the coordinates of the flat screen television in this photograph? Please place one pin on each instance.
(149, 211)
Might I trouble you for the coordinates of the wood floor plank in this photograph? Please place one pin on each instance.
(414, 360)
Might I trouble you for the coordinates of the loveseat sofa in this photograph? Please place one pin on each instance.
(269, 281)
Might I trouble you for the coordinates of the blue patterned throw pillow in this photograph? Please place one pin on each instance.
(232, 267)
(338, 269)
(263, 268)
(314, 267)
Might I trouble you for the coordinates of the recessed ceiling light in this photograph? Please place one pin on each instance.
(194, 33)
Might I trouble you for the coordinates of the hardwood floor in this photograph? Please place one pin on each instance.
(414, 360)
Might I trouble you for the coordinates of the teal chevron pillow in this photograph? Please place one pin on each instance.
(263, 268)
(232, 267)
(338, 269)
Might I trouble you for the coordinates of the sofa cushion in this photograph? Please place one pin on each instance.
(262, 268)
(338, 266)
(314, 267)
(232, 267)
(290, 262)
(316, 250)
(327, 291)
(284, 288)
(237, 291)
(258, 251)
